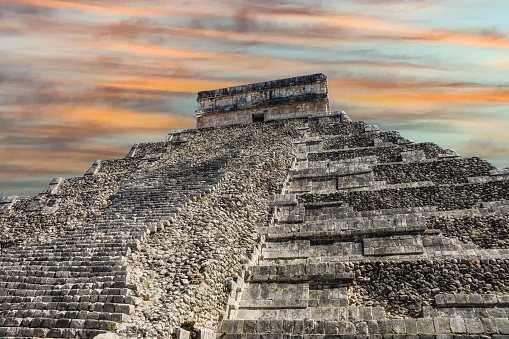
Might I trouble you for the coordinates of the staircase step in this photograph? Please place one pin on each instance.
(402, 223)
(299, 272)
(392, 245)
(275, 295)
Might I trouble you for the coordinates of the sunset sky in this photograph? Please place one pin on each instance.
(84, 80)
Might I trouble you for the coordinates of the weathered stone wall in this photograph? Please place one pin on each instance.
(278, 99)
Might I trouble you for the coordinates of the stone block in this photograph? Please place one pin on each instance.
(411, 326)
(373, 327)
(365, 313)
(298, 328)
(502, 325)
(91, 324)
(475, 299)
(489, 299)
(262, 326)
(494, 312)
(425, 326)
(232, 326)
(474, 326)
(385, 326)
(205, 334)
(442, 325)
(361, 327)
(276, 326)
(346, 327)
(330, 327)
(180, 333)
(398, 326)
(282, 199)
(458, 325)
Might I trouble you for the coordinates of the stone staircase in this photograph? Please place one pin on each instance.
(371, 235)
(337, 215)
(76, 284)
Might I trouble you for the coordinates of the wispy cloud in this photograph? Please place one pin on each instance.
(382, 29)
(397, 93)
(78, 77)
(169, 84)
(111, 8)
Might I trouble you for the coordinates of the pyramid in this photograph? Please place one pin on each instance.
(274, 218)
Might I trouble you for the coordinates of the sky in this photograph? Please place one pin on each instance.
(85, 80)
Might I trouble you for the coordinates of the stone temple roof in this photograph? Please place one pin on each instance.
(264, 85)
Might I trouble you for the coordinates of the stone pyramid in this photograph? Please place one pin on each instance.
(273, 220)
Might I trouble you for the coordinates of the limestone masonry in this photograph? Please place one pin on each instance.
(263, 101)
(306, 225)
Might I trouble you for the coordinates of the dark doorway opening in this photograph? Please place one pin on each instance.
(258, 117)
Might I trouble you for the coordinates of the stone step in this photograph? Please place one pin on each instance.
(353, 163)
(48, 256)
(27, 332)
(98, 271)
(73, 266)
(329, 312)
(61, 309)
(282, 199)
(287, 249)
(330, 210)
(322, 252)
(330, 169)
(299, 272)
(399, 223)
(328, 296)
(62, 297)
(394, 328)
(393, 245)
(109, 307)
(332, 183)
(98, 281)
(275, 295)
(470, 312)
(486, 300)
(61, 314)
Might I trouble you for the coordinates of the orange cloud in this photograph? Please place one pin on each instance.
(112, 9)
(172, 85)
(119, 119)
(57, 161)
(502, 65)
(409, 95)
(429, 99)
(209, 62)
(304, 37)
(392, 31)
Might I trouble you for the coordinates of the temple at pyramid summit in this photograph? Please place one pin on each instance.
(264, 101)
(277, 217)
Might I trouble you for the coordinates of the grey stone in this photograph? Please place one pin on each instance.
(474, 325)
(458, 325)
(442, 325)
(502, 325)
